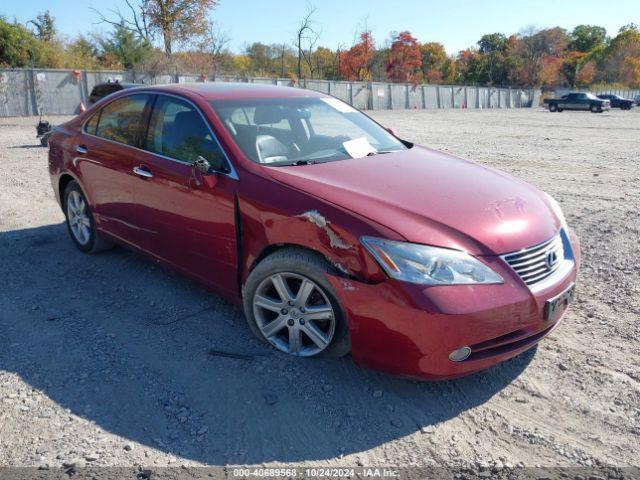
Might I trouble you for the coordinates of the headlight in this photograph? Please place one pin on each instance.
(429, 265)
(555, 207)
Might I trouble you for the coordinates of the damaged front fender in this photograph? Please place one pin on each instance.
(308, 223)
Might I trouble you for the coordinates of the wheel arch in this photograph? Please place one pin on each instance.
(273, 248)
(64, 180)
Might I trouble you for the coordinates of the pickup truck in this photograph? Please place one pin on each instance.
(577, 101)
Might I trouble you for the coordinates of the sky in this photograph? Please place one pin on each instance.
(457, 24)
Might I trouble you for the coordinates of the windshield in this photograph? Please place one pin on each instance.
(592, 96)
(295, 131)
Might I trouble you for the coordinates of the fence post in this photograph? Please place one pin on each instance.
(424, 100)
(35, 108)
(85, 87)
(438, 96)
(350, 93)
(453, 98)
(466, 99)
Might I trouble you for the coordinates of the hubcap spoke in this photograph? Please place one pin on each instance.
(268, 303)
(314, 333)
(323, 312)
(281, 287)
(295, 342)
(274, 326)
(85, 232)
(303, 294)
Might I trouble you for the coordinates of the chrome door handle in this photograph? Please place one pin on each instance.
(142, 172)
(81, 149)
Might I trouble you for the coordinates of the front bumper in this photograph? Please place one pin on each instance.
(410, 330)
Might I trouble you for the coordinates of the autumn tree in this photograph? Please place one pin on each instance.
(355, 63)
(176, 22)
(622, 57)
(405, 59)
(585, 75)
(469, 65)
(539, 55)
(434, 57)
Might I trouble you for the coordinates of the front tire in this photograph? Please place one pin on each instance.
(596, 109)
(553, 107)
(290, 304)
(80, 222)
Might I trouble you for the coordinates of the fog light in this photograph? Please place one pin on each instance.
(460, 354)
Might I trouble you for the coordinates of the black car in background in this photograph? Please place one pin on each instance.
(577, 101)
(101, 90)
(617, 101)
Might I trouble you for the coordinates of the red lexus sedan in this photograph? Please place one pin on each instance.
(332, 233)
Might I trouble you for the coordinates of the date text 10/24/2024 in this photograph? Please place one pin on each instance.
(316, 472)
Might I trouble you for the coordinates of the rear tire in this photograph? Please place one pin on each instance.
(553, 107)
(80, 222)
(279, 300)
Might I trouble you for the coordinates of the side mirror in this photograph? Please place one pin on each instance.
(202, 164)
(393, 132)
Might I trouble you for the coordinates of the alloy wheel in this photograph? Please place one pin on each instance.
(78, 218)
(294, 314)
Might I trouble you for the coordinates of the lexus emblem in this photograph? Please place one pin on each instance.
(551, 259)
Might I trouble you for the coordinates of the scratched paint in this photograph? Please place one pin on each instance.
(335, 240)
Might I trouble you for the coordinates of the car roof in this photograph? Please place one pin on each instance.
(233, 91)
(122, 84)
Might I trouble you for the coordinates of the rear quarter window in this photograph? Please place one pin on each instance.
(92, 124)
(123, 119)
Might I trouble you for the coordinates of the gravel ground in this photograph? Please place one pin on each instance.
(106, 360)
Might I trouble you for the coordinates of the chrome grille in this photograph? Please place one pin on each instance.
(537, 263)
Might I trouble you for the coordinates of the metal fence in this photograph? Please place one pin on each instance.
(61, 92)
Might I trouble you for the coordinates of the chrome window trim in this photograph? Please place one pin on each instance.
(232, 170)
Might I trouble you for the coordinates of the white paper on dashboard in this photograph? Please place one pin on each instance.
(338, 105)
(358, 147)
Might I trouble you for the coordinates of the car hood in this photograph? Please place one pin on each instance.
(432, 198)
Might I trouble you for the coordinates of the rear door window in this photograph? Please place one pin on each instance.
(178, 131)
(123, 119)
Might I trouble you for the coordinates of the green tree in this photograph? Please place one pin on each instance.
(585, 38)
(45, 27)
(18, 46)
(124, 45)
(493, 52)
